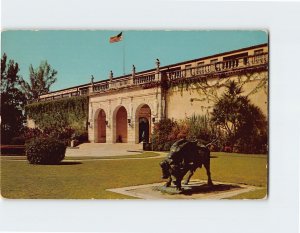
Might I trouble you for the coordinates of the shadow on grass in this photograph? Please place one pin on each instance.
(204, 188)
(69, 163)
(198, 188)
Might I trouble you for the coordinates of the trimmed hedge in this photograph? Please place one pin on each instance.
(45, 151)
(8, 150)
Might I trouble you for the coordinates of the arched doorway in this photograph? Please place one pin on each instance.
(121, 125)
(100, 127)
(143, 123)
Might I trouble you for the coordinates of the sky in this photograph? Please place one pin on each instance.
(76, 55)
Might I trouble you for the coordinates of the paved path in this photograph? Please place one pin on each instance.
(104, 149)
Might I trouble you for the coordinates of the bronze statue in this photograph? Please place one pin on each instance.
(185, 156)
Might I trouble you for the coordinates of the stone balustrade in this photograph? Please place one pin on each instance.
(101, 87)
(150, 77)
(144, 78)
(219, 67)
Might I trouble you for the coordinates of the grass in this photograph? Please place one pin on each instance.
(90, 179)
(256, 194)
(147, 154)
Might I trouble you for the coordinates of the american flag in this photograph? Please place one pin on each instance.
(116, 38)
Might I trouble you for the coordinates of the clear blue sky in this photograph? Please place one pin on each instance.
(77, 55)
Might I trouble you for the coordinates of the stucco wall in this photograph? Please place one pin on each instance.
(131, 100)
(182, 103)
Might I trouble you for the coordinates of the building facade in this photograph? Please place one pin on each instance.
(124, 109)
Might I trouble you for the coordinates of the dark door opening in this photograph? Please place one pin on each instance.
(143, 129)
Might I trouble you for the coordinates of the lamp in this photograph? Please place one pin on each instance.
(129, 121)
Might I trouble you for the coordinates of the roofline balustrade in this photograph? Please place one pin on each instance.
(258, 61)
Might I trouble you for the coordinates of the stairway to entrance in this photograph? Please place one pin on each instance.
(104, 149)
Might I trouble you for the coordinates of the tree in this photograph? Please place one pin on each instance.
(40, 80)
(244, 123)
(12, 101)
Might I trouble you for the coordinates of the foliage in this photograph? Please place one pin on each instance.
(45, 151)
(19, 140)
(210, 89)
(201, 128)
(12, 150)
(180, 130)
(31, 133)
(167, 146)
(244, 124)
(166, 132)
(12, 101)
(61, 118)
(161, 132)
(40, 80)
(81, 136)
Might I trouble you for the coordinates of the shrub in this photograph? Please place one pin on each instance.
(163, 129)
(201, 128)
(20, 140)
(147, 146)
(45, 151)
(167, 131)
(31, 133)
(160, 147)
(161, 133)
(63, 119)
(167, 146)
(180, 130)
(12, 150)
(81, 136)
(244, 124)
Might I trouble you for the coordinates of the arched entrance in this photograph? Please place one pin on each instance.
(100, 126)
(121, 125)
(143, 123)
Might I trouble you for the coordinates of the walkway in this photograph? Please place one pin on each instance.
(104, 149)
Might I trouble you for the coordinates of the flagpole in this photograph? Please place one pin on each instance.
(123, 54)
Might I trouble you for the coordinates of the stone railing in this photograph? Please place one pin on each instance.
(120, 83)
(144, 78)
(219, 67)
(152, 76)
(101, 87)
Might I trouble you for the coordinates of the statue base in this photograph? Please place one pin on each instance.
(196, 189)
(168, 190)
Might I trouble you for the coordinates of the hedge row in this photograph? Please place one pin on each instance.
(69, 112)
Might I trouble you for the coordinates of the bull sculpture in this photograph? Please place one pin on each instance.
(185, 157)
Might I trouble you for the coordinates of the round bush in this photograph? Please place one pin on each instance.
(167, 146)
(45, 151)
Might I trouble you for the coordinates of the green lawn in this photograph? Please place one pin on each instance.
(90, 179)
(147, 154)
